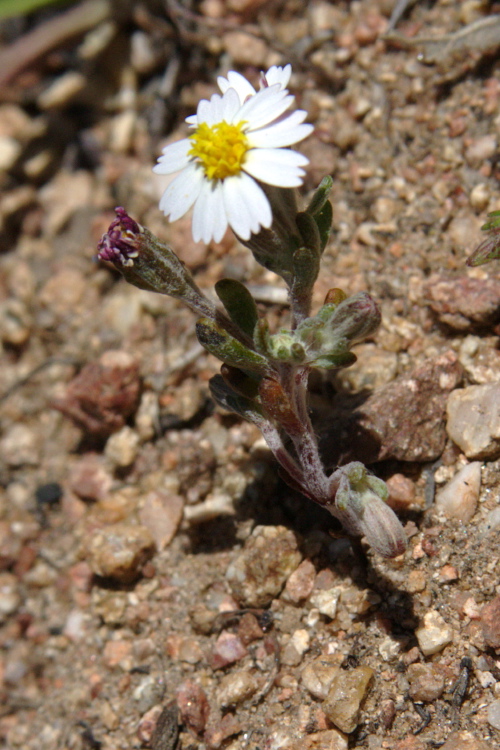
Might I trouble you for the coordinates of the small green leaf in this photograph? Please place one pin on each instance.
(324, 220)
(320, 197)
(262, 337)
(335, 361)
(239, 304)
(309, 232)
(222, 345)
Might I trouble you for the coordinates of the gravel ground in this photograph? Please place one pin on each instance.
(154, 571)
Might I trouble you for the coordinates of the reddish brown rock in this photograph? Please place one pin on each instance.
(227, 650)
(490, 622)
(404, 420)
(89, 479)
(301, 582)
(193, 705)
(104, 394)
(220, 730)
(426, 682)
(464, 303)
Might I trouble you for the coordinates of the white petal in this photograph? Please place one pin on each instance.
(174, 157)
(236, 81)
(276, 74)
(209, 215)
(230, 105)
(182, 192)
(264, 107)
(247, 208)
(214, 111)
(283, 133)
(192, 120)
(280, 166)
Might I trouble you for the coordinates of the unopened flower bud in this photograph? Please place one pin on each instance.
(355, 318)
(148, 263)
(360, 506)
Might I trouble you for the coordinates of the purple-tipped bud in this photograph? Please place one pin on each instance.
(150, 264)
(118, 245)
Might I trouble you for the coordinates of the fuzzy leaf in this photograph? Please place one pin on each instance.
(225, 347)
(335, 361)
(239, 304)
(306, 269)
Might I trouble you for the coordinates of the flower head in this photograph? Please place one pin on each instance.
(239, 140)
(118, 244)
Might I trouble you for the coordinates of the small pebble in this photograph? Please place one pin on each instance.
(330, 739)
(117, 654)
(161, 514)
(10, 599)
(122, 447)
(434, 634)
(62, 91)
(318, 675)
(401, 492)
(20, 445)
(236, 687)
(481, 149)
(345, 696)
(10, 151)
(326, 601)
(459, 498)
(490, 622)
(148, 693)
(293, 651)
(300, 583)
(193, 705)
(480, 196)
(147, 725)
(89, 478)
(494, 714)
(269, 557)
(227, 650)
(119, 551)
(474, 420)
(426, 682)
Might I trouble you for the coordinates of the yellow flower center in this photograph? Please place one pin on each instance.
(220, 148)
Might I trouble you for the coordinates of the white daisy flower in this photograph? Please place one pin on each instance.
(239, 141)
